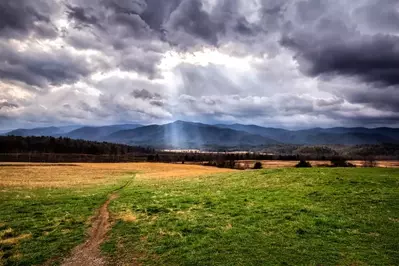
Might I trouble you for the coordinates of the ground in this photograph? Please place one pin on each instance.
(284, 164)
(171, 214)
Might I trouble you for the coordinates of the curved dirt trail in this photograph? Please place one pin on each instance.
(88, 254)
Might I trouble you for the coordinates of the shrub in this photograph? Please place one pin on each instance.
(258, 165)
(222, 164)
(210, 163)
(341, 162)
(303, 164)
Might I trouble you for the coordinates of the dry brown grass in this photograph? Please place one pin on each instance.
(90, 174)
(36, 175)
(164, 170)
(15, 240)
(128, 216)
(8, 237)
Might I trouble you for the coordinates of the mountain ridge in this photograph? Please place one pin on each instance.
(98, 133)
(184, 134)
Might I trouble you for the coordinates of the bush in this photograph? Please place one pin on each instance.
(222, 164)
(303, 164)
(258, 165)
(341, 162)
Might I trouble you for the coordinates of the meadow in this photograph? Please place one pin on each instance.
(173, 214)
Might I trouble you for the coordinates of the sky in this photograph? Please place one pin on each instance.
(278, 63)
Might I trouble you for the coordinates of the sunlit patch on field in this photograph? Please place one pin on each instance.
(13, 240)
(127, 216)
(36, 176)
(8, 239)
(163, 170)
(89, 174)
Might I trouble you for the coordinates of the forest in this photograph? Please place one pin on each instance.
(61, 149)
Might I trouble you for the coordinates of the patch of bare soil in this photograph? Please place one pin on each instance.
(88, 254)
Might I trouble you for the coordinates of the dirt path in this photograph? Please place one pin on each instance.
(88, 254)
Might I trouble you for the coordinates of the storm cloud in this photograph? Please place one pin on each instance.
(19, 18)
(371, 58)
(291, 63)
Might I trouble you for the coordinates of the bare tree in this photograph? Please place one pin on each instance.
(369, 162)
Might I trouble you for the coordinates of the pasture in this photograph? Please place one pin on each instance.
(287, 164)
(173, 214)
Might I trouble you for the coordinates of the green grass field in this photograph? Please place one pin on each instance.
(319, 216)
(40, 224)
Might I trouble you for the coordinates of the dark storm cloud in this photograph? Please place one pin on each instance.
(329, 42)
(331, 39)
(115, 19)
(38, 68)
(19, 18)
(81, 16)
(380, 15)
(141, 31)
(127, 31)
(181, 23)
(155, 13)
(387, 99)
(232, 25)
(157, 103)
(145, 94)
(192, 19)
(243, 27)
(155, 99)
(144, 62)
(372, 58)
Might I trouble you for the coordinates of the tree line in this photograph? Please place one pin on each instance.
(16, 144)
(51, 149)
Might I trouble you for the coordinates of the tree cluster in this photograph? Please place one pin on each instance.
(16, 144)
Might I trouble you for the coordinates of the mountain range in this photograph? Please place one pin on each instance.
(42, 131)
(189, 135)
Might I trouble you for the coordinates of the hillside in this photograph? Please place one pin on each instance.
(320, 136)
(98, 133)
(41, 131)
(273, 133)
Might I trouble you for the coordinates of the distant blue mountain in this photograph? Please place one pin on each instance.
(269, 132)
(42, 131)
(316, 136)
(181, 134)
(98, 133)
